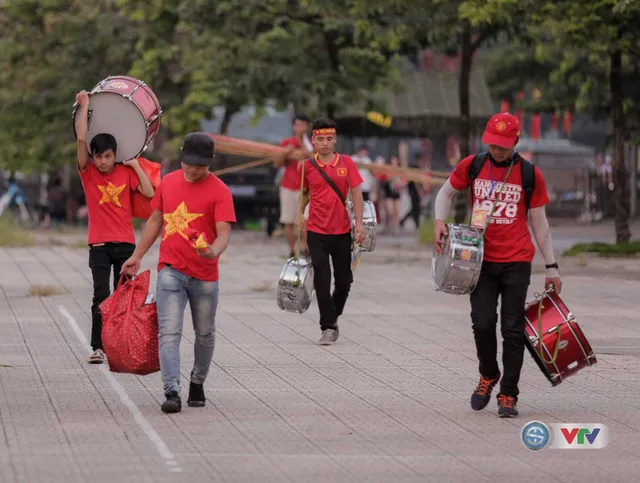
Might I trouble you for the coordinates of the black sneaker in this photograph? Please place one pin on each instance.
(196, 395)
(482, 395)
(507, 406)
(173, 404)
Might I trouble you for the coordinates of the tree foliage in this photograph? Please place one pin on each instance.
(49, 51)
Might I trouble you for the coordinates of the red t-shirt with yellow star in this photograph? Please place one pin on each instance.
(187, 207)
(109, 203)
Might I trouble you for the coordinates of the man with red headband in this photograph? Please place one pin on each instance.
(328, 178)
(517, 189)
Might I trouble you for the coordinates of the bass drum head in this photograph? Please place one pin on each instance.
(113, 114)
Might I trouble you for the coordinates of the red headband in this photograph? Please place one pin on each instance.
(326, 130)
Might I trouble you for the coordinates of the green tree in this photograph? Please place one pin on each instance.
(323, 57)
(49, 51)
(598, 39)
(463, 26)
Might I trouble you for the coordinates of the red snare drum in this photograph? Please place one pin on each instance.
(127, 109)
(564, 349)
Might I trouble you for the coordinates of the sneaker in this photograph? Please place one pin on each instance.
(329, 336)
(98, 357)
(173, 404)
(196, 396)
(482, 395)
(507, 406)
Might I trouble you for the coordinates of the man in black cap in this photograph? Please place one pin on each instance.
(193, 209)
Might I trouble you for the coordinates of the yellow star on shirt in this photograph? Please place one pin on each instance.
(111, 194)
(177, 221)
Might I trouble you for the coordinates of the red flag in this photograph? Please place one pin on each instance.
(535, 126)
(519, 113)
(555, 121)
(504, 107)
(568, 119)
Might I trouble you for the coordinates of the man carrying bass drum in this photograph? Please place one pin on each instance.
(508, 253)
(109, 188)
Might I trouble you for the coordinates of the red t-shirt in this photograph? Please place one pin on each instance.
(291, 177)
(507, 238)
(327, 214)
(198, 206)
(109, 203)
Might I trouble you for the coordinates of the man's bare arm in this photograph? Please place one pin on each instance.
(82, 129)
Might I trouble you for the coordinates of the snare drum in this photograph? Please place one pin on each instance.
(295, 287)
(370, 223)
(554, 339)
(457, 269)
(125, 108)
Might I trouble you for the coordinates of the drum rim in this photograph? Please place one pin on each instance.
(138, 82)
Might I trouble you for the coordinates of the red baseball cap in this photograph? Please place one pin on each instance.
(503, 130)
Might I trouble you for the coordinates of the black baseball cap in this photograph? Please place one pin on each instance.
(198, 149)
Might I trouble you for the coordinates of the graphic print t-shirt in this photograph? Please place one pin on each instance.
(291, 177)
(507, 238)
(109, 203)
(189, 206)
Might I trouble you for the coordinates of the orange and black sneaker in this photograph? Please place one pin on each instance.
(507, 406)
(482, 395)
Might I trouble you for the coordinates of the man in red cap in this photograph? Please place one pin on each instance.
(505, 188)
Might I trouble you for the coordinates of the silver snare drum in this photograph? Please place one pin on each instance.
(295, 289)
(370, 222)
(457, 269)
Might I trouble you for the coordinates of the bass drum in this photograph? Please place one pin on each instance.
(125, 108)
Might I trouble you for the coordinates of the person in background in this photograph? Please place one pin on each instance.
(392, 185)
(369, 181)
(414, 197)
(379, 194)
(291, 180)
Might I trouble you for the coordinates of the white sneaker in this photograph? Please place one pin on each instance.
(98, 357)
(329, 336)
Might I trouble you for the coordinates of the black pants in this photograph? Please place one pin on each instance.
(338, 248)
(101, 259)
(511, 282)
(414, 211)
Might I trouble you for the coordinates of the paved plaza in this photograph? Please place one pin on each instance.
(388, 403)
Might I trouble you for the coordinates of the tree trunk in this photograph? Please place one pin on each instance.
(620, 178)
(226, 119)
(461, 200)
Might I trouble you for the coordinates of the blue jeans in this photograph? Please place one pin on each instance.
(173, 290)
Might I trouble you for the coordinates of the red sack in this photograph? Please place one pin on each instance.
(130, 328)
(140, 204)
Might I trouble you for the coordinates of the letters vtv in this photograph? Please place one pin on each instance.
(580, 436)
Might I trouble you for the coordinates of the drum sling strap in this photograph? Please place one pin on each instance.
(297, 282)
(527, 171)
(355, 258)
(329, 181)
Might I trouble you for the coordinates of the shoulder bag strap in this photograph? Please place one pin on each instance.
(329, 181)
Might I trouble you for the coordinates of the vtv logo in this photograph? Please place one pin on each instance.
(579, 436)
